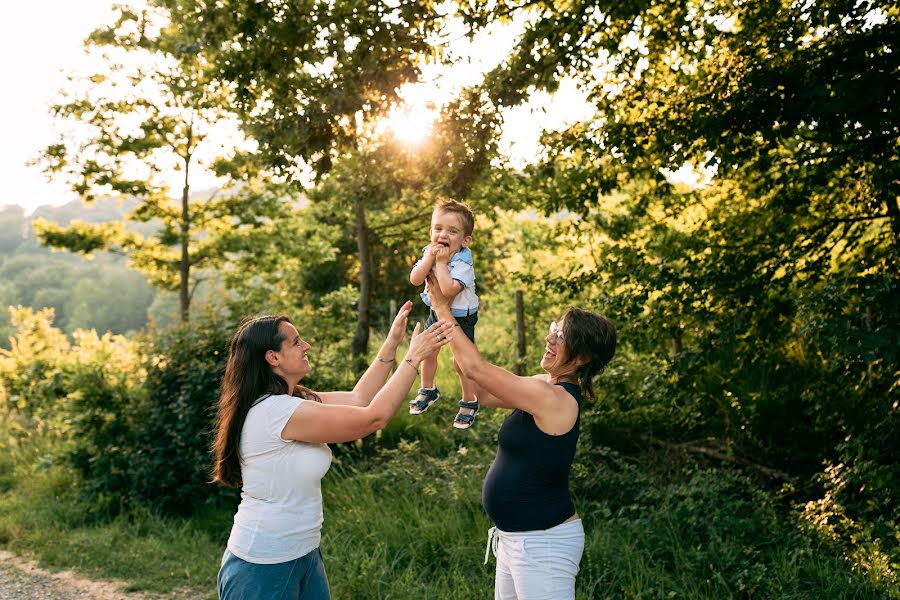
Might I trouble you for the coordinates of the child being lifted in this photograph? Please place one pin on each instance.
(449, 258)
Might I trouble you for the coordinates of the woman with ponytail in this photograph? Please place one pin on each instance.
(271, 436)
(537, 537)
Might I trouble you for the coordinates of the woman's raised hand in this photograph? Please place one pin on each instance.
(398, 327)
(424, 343)
(435, 295)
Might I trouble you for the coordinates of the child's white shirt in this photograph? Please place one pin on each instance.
(462, 270)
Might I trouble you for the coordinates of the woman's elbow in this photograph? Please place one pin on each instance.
(469, 367)
(377, 420)
(379, 424)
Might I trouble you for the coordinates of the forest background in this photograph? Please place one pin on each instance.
(744, 438)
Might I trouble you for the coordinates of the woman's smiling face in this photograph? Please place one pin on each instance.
(292, 359)
(555, 352)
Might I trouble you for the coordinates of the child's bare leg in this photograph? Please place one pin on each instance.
(469, 393)
(429, 369)
(429, 394)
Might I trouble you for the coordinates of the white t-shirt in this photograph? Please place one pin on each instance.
(280, 515)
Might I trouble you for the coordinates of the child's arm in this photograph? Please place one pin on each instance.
(449, 287)
(422, 268)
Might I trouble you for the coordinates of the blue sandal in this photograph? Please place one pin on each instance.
(467, 419)
(423, 401)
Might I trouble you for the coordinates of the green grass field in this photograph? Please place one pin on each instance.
(407, 522)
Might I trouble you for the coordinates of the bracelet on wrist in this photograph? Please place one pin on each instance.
(409, 362)
(386, 360)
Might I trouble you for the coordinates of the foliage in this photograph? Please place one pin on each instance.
(169, 460)
(662, 527)
(134, 426)
(101, 293)
(78, 394)
(347, 62)
(32, 371)
(138, 126)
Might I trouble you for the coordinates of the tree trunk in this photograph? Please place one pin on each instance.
(360, 345)
(677, 346)
(184, 270)
(894, 211)
(520, 333)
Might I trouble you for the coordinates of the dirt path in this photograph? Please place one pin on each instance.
(24, 580)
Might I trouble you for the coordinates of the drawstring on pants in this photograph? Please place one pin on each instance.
(492, 541)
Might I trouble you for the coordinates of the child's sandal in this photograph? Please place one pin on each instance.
(423, 400)
(466, 419)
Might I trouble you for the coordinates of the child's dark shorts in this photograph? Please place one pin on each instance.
(467, 323)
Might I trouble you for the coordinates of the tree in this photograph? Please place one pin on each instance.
(154, 114)
(801, 96)
(304, 73)
(310, 88)
(784, 267)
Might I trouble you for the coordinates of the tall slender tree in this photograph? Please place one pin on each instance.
(151, 114)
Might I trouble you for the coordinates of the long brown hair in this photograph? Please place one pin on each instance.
(247, 378)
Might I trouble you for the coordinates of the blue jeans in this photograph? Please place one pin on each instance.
(300, 579)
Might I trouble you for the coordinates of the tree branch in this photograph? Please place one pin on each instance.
(396, 223)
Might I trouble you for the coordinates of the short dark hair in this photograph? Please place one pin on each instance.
(590, 336)
(457, 208)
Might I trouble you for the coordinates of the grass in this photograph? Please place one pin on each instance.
(403, 519)
(45, 520)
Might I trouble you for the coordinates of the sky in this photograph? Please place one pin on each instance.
(41, 40)
(38, 39)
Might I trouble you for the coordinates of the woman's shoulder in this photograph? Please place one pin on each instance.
(276, 404)
(573, 389)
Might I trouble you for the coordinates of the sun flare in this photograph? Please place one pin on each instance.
(410, 125)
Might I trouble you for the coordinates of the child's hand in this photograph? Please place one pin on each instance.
(441, 254)
(430, 250)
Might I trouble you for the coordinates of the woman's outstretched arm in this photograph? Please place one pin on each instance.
(535, 395)
(327, 423)
(377, 374)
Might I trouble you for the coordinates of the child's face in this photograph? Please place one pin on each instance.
(447, 229)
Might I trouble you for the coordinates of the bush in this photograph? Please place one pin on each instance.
(660, 526)
(173, 420)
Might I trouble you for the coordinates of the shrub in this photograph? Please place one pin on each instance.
(172, 420)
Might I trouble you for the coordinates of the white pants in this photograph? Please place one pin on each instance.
(536, 565)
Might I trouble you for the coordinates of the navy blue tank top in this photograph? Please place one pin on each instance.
(527, 486)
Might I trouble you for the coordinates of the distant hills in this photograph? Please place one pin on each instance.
(100, 293)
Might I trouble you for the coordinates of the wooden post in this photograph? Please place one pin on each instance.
(392, 312)
(520, 333)
(677, 345)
